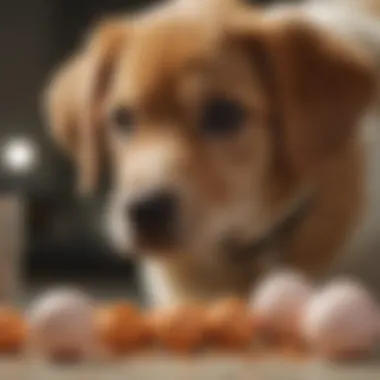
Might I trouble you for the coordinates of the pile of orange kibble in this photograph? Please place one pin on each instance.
(124, 329)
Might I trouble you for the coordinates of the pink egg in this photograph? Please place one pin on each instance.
(341, 320)
(279, 300)
(62, 324)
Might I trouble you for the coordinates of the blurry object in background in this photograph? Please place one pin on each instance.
(62, 324)
(12, 244)
(19, 155)
(279, 300)
(341, 321)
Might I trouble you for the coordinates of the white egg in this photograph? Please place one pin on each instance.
(341, 319)
(62, 323)
(279, 299)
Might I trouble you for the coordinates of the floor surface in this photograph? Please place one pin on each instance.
(197, 369)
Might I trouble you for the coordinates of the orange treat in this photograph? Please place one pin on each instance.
(13, 331)
(181, 329)
(122, 328)
(230, 324)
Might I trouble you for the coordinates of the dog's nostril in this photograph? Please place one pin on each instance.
(154, 213)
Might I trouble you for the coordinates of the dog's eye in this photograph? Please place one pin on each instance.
(122, 119)
(222, 117)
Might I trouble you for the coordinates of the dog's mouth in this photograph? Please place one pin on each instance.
(159, 239)
(158, 243)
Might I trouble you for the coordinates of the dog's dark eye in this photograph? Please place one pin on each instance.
(222, 117)
(122, 119)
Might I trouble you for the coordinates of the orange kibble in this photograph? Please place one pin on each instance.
(13, 330)
(230, 324)
(122, 328)
(181, 329)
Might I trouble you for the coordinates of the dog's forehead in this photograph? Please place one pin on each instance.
(172, 43)
(162, 49)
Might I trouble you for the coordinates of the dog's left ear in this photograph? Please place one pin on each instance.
(74, 100)
(320, 85)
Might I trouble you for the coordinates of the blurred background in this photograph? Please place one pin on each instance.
(58, 236)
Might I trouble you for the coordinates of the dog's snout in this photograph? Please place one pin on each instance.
(154, 214)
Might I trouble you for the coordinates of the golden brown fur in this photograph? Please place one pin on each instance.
(163, 66)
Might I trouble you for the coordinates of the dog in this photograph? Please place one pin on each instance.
(212, 117)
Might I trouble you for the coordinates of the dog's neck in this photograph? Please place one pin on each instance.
(289, 219)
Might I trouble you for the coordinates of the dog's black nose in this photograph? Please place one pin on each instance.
(154, 214)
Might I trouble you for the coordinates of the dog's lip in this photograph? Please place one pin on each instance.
(158, 243)
(159, 251)
(160, 240)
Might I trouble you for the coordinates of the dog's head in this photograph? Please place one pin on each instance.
(205, 115)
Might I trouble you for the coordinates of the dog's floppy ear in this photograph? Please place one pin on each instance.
(74, 100)
(320, 85)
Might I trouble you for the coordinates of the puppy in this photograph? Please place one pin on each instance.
(212, 115)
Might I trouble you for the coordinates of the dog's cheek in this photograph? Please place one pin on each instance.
(247, 177)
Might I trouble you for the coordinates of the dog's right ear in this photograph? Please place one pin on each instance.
(319, 86)
(74, 100)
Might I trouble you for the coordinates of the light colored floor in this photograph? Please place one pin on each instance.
(197, 369)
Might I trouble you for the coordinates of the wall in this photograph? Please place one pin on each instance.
(25, 37)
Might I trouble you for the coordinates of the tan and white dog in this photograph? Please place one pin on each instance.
(212, 115)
